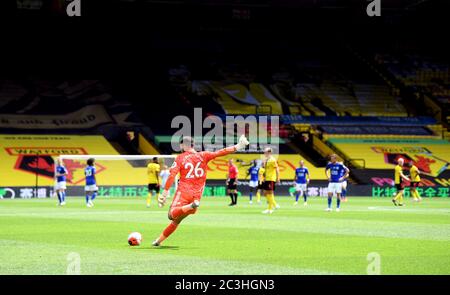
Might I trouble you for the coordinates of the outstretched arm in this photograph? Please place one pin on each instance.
(220, 153)
(243, 142)
(172, 174)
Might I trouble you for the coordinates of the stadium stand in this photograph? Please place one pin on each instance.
(341, 95)
(381, 152)
(70, 107)
(23, 168)
(427, 78)
(236, 93)
(339, 86)
(233, 104)
(331, 101)
(295, 91)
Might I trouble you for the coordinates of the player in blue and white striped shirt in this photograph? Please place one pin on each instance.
(301, 182)
(253, 171)
(344, 185)
(336, 173)
(91, 183)
(60, 184)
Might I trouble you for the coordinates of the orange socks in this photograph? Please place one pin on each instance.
(167, 231)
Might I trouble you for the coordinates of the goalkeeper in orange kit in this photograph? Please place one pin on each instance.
(192, 166)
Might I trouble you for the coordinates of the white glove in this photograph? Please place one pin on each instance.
(243, 142)
(162, 198)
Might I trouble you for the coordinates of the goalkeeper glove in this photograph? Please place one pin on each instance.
(162, 198)
(243, 142)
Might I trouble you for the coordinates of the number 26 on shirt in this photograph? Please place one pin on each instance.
(194, 172)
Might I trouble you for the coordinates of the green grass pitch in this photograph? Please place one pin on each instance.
(36, 237)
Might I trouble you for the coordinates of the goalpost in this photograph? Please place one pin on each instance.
(116, 175)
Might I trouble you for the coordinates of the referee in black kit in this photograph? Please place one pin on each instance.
(232, 180)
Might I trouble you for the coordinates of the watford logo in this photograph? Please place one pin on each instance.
(39, 161)
(424, 159)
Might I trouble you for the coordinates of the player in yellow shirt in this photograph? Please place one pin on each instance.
(153, 169)
(398, 179)
(261, 172)
(271, 176)
(415, 180)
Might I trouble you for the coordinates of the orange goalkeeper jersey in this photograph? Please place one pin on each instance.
(192, 167)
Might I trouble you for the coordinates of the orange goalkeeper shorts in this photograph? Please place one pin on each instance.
(181, 199)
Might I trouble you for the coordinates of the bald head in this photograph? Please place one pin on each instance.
(186, 143)
(267, 152)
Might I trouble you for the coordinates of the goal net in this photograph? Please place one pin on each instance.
(116, 175)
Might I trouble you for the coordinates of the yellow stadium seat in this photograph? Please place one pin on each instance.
(435, 152)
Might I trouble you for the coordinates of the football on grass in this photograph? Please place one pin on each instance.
(134, 239)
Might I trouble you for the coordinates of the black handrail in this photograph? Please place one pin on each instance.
(363, 161)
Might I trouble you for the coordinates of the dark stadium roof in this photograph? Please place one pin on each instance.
(390, 4)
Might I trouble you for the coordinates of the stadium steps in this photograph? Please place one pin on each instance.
(147, 147)
(385, 94)
(325, 149)
(229, 104)
(119, 148)
(341, 95)
(322, 147)
(325, 107)
(283, 91)
(306, 150)
(438, 130)
(126, 145)
(307, 95)
(265, 97)
(373, 67)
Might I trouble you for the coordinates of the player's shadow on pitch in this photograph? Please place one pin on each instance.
(160, 248)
